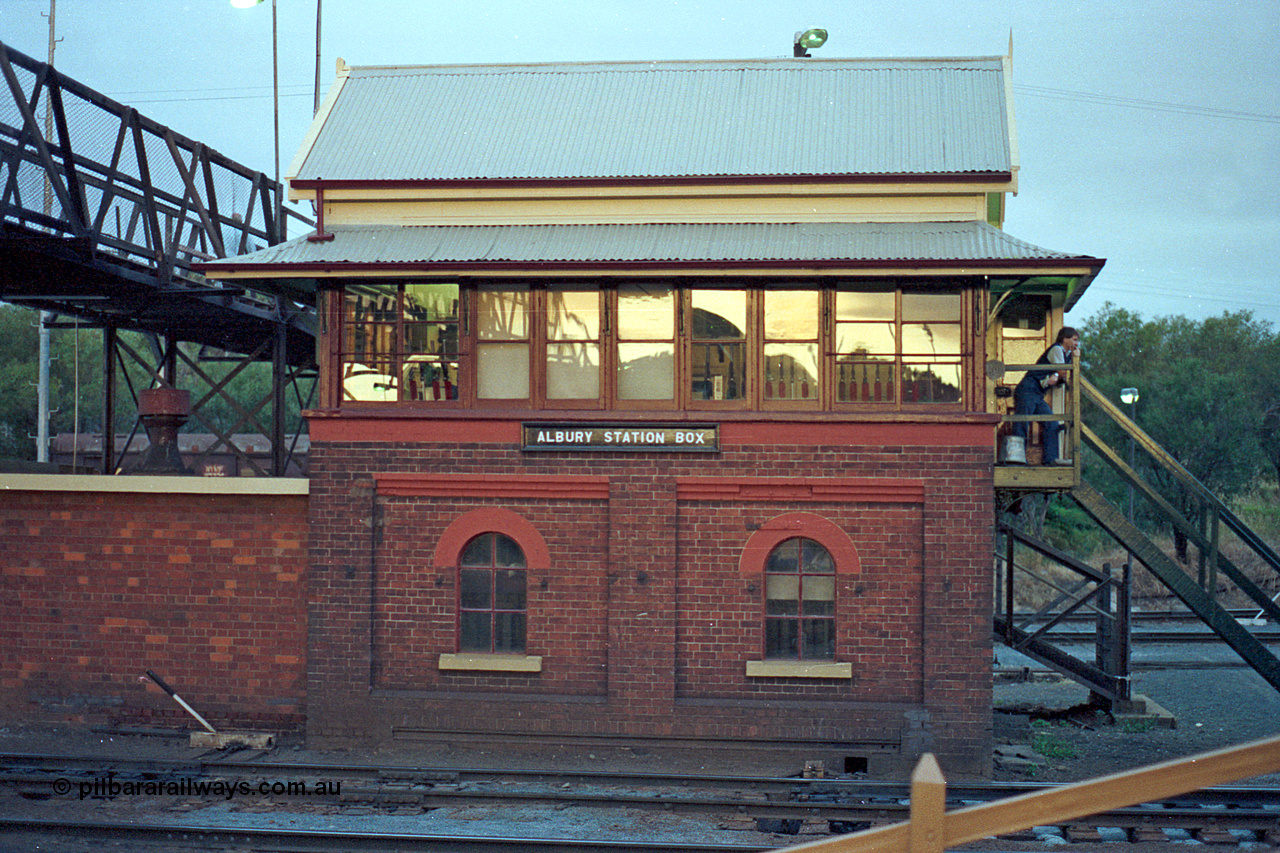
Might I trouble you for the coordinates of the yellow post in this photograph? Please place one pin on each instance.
(928, 806)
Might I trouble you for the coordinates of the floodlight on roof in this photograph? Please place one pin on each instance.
(809, 38)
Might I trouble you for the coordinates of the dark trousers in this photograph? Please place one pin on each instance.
(1033, 403)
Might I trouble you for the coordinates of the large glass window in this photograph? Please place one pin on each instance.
(646, 333)
(502, 342)
(430, 327)
(655, 345)
(400, 342)
(492, 606)
(573, 344)
(930, 347)
(898, 347)
(718, 344)
(790, 358)
(866, 346)
(800, 602)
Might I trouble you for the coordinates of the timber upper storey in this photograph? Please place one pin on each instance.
(800, 234)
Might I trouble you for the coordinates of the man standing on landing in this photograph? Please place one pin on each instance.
(1028, 396)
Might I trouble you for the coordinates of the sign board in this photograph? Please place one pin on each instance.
(679, 438)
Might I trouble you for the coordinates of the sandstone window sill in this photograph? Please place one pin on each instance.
(490, 663)
(798, 669)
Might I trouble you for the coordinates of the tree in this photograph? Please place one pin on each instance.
(1205, 387)
(75, 381)
(75, 385)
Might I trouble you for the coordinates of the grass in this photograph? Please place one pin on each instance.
(1050, 744)
(1259, 509)
(1137, 727)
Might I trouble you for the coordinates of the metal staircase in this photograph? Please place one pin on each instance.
(1100, 591)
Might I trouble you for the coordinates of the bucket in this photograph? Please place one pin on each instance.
(1014, 451)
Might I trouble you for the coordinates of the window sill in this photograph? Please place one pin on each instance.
(491, 663)
(798, 669)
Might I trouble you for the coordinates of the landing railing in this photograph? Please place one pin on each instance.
(1018, 470)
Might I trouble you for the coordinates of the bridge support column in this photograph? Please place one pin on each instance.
(279, 375)
(109, 357)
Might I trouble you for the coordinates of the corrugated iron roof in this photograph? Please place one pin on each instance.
(754, 118)
(729, 243)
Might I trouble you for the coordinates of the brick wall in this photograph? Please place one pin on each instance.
(200, 580)
(646, 616)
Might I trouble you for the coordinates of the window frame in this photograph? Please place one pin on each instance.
(901, 357)
(492, 610)
(671, 403)
(800, 619)
(397, 355)
(475, 344)
(751, 345)
(825, 392)
(540, 365)
(817, 401)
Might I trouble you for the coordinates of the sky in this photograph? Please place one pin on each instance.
(1148, 133)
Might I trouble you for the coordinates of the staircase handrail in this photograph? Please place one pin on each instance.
(1165, 460)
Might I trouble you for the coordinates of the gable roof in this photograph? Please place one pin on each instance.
(649, 120)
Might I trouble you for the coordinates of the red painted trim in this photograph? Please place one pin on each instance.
(961, 432)
(321, 236)
(661, 181)
(416, 430)
(400, 425)
(491, 520)
(799, 489)
(823, 531)
(587, 488)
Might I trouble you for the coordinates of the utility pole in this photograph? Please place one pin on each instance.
(46, 317)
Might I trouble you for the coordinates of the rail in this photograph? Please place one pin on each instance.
(1102, 593)
(1067, 411)
(932, 829)
(1015, 469)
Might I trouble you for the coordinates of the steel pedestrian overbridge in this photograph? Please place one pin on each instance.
(102, 214)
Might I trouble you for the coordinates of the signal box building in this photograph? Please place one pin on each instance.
(653, 405)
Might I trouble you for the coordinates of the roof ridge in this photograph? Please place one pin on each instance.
(768, 63)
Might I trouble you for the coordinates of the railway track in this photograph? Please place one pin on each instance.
(763, 804)
(1148, 628)
(193, 837)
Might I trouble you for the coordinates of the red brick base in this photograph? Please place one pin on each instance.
(206, 589)
(648, 603)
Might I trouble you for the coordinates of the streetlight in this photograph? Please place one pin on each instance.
(1129, 396)
(275, 94)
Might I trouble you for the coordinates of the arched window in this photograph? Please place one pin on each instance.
(800, 602)
(491, 595)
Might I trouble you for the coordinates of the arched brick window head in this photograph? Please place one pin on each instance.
(799, 555)
(492, 550)
(464, 528)
(825, 532)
